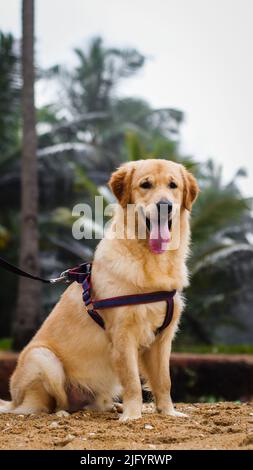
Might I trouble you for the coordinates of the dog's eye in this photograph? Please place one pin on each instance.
(173, 185)
(146, 185)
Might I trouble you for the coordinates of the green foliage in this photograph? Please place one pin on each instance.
(47, 115)
(6, 344)
(4, 237)
(219, 206)
(62, 216)
(210, 399)
(134, 147)
(156, 146)
(82, 181)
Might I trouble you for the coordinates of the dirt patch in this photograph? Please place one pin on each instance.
(208, 426)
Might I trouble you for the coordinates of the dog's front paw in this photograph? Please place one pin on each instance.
(177, 413)
(125, 417)
(172, 412)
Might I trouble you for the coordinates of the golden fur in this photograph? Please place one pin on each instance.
(71, 352)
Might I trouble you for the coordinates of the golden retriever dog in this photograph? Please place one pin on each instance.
(71, 362)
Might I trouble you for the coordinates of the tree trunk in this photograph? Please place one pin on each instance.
(28, 304)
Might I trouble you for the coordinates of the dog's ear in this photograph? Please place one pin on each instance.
(120, 183)
(191, 189)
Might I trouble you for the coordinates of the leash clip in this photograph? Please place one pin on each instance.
(62, 278)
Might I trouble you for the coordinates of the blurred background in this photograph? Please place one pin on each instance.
(116, 81)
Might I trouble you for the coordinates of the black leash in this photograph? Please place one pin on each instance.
(14, 269)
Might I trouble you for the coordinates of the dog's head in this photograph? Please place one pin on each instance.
(156, 187)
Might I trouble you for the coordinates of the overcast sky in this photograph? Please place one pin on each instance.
(200, 60)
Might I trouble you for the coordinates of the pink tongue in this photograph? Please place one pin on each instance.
(159, 237)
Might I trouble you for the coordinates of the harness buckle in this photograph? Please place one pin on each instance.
(62, 278)
(87, 268)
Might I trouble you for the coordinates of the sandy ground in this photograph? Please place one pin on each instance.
(208, 426)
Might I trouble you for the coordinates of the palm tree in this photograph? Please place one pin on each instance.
(28, 303)
(89, 87)
(93, 112)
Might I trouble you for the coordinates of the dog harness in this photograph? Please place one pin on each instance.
(82, 275)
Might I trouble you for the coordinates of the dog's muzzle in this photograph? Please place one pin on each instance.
(164, 210)
(158, 219)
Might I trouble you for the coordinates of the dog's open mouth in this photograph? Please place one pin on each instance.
(159, 232)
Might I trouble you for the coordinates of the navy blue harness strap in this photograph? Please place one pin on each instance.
(133, 299)
(96, 317)
(136, 299)
(169, 314)
(82, 275)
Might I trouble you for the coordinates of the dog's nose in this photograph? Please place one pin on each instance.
(166, 203)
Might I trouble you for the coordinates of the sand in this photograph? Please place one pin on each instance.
(208, 426)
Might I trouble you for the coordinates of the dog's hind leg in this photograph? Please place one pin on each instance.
(36, 400)
(38, 382)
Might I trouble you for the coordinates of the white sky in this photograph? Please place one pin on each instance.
(200, 61)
